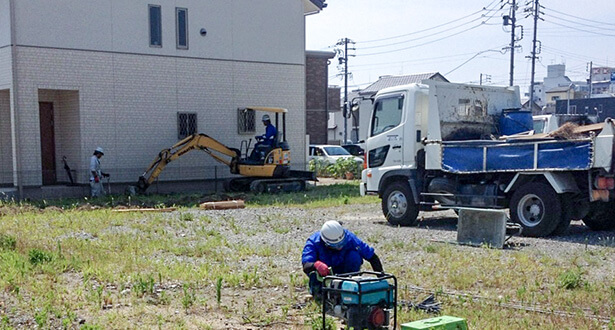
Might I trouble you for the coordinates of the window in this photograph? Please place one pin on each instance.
(387, 114)
(186, 124)
(181, 22)
(246, 121)
(155, 26)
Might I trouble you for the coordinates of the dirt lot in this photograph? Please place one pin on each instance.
(240, 269)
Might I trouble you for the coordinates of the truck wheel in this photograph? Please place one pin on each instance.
(537, 208)
(398, 205)
(601, 216)
(567, 215)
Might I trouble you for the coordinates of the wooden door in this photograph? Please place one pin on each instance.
(48, 143)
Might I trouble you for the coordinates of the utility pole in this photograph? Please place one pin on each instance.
(512, 20)
(487, 78)
(343, 59)
(591, 72)
(536, 12)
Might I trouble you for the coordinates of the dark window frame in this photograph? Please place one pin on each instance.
(152, 27)
(246, 121)
(187, 124)
(177, 28)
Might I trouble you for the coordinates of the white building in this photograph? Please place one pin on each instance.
(131, 76)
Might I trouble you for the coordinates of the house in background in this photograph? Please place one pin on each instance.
(134, 76)
(358, 122)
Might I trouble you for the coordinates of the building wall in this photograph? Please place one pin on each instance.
(128, 105)
(6, 149)
(5, 23)
(316, 98)
(246, 30)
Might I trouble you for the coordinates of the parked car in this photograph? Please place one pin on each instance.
(354, 149)
(331, 153)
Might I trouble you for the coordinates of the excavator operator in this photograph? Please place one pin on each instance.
(270, 132)
(266, 141)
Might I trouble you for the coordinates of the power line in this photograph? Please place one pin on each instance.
(582, 30)
(581, 18)
(430, 28)
(582, 24)
(422, 44)
(432, 34)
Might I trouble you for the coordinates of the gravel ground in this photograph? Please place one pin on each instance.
(368, 222)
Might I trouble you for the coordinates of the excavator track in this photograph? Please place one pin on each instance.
(265, 185)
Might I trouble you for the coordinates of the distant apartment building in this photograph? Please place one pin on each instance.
(134, 76)
(603, 81)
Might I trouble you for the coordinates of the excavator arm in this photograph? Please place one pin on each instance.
(194, 142)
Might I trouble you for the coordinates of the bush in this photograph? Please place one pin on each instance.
(321, 167)
(346, 165)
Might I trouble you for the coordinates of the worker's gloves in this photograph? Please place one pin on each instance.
(96, 179)
(105, 175)
(321, 268)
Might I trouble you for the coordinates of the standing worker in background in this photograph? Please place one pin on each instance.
(338, 248)
(96, 174)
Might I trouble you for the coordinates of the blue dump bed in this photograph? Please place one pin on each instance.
(516, 155)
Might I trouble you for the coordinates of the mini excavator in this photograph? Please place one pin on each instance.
(265, 169)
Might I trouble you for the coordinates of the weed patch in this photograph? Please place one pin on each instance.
(7, 242)
(38, 257)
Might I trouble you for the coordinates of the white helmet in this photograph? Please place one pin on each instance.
(99, 150)
(333, 234)
(266, 118)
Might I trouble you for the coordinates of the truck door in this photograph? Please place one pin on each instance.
(385, 140)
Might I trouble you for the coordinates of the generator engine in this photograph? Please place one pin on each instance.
(363, 300)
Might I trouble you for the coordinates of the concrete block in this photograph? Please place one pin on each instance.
(482, 226)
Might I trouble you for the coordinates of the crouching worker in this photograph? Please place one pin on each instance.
(337, 250)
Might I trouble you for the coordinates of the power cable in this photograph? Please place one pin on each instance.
(583, 30)
(428, 29)
(422, 44)
(581, 18)
(471, 58)
(582, 24)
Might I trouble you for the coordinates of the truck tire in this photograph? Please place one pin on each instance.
(601, 216)
(398, 205)
(537, 208)
(567, 215)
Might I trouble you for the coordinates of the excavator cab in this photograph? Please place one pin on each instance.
(262, 169)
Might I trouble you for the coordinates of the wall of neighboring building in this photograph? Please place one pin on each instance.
(316, 103)
(129, 93)
(244, 30)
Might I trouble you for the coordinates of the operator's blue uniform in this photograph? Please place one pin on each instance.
(347, 260)
(270, 133)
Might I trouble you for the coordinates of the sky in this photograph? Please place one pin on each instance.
(462, 39)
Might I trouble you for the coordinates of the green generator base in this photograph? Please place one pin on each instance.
(443, 322)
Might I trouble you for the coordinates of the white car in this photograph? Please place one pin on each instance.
(331, 153)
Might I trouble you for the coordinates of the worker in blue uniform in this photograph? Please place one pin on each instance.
(337, 250)
(264, 142)
(270, 132)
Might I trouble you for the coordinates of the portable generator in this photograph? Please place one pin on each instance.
(364, 300)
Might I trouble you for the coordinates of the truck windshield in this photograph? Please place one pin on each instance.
(387, 114)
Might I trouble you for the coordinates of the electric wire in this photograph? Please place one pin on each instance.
(581, 18)
(430, 28)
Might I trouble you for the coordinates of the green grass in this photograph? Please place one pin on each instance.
(188, 269)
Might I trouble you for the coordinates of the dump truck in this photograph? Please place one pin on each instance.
(442, 145)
